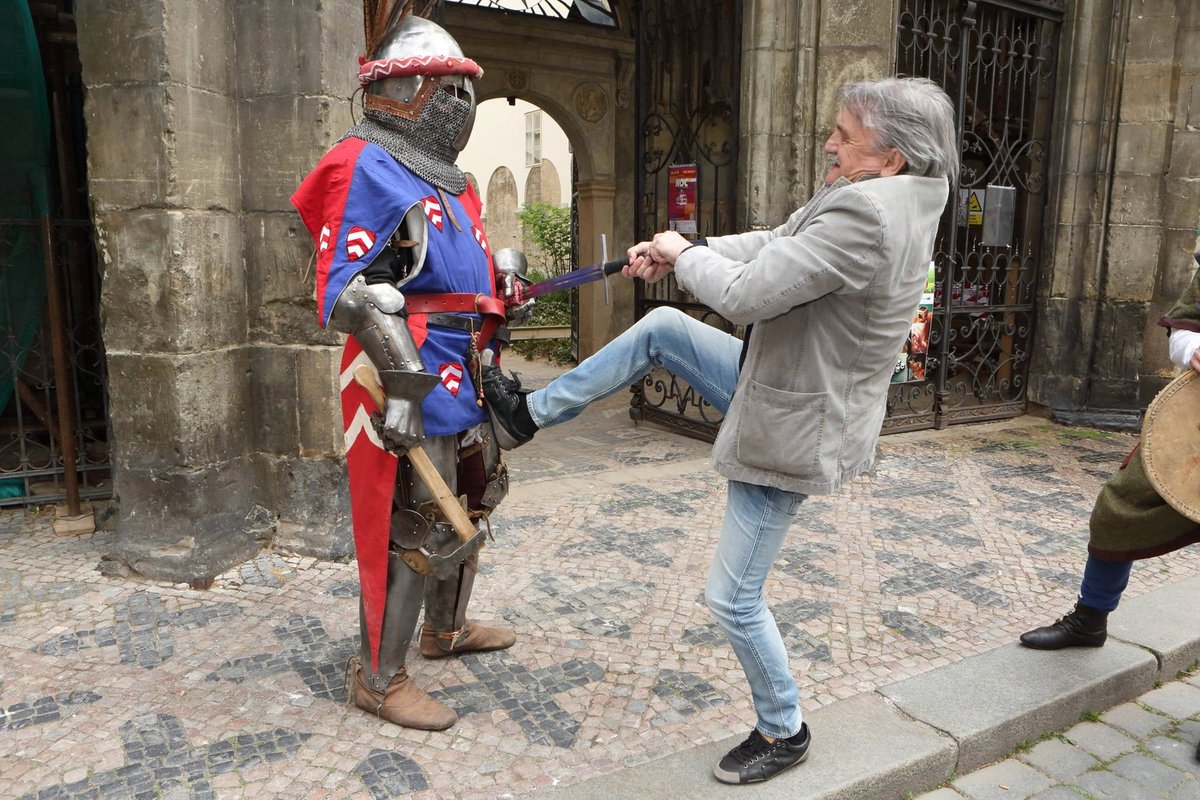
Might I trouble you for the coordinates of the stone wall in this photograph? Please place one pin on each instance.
(795, 56)
(221, 390)
(1124, 206)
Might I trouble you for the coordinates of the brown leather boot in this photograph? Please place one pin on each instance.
(402, 703)
(1083, 627)
(471, 638)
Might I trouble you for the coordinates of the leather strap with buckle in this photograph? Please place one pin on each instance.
(490, 308)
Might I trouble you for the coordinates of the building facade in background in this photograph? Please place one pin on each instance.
(517, 154)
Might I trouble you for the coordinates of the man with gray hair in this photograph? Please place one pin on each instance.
(827, 299)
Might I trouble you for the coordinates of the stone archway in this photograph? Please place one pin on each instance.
(582, 77)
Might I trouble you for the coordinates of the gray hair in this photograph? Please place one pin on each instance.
(913, 115)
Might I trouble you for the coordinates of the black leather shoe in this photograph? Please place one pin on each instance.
(506, 404)
(756, 760)
(1083, 627)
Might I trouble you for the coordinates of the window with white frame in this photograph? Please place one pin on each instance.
(533, 138)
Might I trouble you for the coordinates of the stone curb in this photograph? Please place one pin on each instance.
(912, 735)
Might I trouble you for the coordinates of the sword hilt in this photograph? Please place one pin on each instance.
(613, 267)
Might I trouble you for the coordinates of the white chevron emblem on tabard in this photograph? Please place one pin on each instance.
(347, 376)
(480, 238)
(361, 424)
(358, 243)
(433, 210)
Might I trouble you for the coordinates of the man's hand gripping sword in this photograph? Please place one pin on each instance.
(470, 538)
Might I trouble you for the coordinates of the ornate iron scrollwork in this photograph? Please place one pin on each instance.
(688, 83)
(997, 60)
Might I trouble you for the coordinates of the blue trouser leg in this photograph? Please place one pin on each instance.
(1103, 582)
(757, 519)
(698, 353)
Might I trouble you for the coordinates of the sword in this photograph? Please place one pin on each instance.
(576, 277)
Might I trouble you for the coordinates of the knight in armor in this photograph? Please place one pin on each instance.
(404, 268)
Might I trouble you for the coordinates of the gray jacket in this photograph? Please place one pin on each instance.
(831, 294)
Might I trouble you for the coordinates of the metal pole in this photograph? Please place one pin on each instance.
(942, 392)
(62, 374)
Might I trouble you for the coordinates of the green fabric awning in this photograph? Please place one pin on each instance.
(25, 171)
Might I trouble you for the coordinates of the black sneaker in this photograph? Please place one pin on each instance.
(506, 404)
(756, 759)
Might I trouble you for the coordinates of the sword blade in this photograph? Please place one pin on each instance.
(576, 277)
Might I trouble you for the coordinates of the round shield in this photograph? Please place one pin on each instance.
(1171, 444)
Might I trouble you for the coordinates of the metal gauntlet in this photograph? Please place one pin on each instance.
(511, 267)
(374, 315)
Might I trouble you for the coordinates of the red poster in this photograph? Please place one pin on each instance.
(681, 205)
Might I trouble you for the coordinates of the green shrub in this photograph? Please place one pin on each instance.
(548, 233)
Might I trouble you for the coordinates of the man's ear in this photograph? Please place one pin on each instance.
(894, 164)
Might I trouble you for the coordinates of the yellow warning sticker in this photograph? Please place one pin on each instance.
(975, 208)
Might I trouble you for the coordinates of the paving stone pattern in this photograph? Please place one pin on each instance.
(119, 687)
(1142, 750)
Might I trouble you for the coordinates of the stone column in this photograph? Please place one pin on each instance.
(1126, 205)
(162, 148)
(1180, 166)
(294, 85)
(198, 113)
(794, 58)
(857, 41)
(1135, 236)
(600, 322)
(1086, 106)
(775, 50)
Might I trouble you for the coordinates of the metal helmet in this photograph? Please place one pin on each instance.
(413, 61)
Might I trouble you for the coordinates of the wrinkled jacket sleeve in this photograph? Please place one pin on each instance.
(760, 275)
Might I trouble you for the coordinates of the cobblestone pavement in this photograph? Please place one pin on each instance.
(1143, 750)
(119, 687)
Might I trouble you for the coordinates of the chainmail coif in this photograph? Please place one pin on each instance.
(425, 146)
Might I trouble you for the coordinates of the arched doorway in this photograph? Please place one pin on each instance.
(522, 160)
(584, 80)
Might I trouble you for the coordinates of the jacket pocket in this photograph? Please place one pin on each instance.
(782, 431)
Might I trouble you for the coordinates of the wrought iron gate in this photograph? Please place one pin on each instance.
(997, 59)
(53, 405)
(687, 78)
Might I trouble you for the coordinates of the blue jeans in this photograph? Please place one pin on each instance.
(757, 518)
(703, 356)
(1103, 583)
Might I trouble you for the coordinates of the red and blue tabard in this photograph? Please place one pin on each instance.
(372, 472)
(351, 204)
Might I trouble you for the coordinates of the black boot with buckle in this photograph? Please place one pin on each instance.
(1083, 627)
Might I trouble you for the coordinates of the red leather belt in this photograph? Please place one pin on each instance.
(490, 308)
